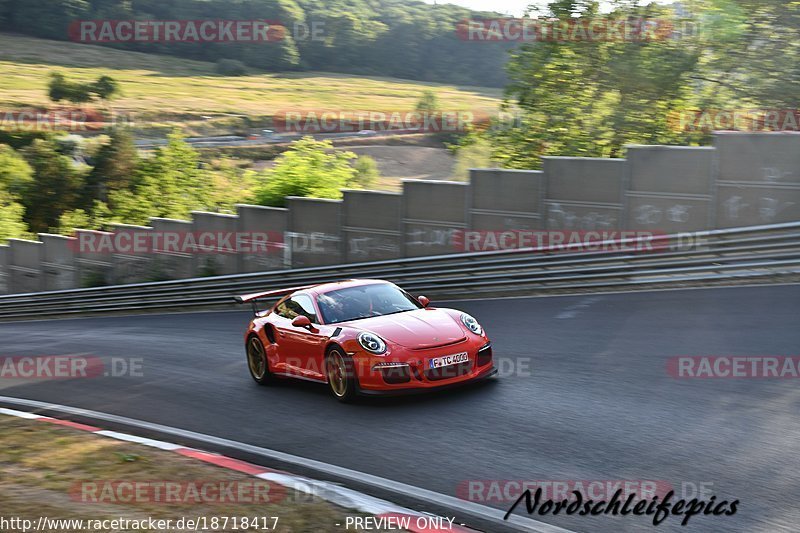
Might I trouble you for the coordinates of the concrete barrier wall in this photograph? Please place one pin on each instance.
(263, 232)
(670, 188)
(744, 179)
(25, 265)
(214, 254)
(94, 259)
(58, 262)
(434, 216)
(505, 199)
(4, 281)
(371, 226)
(584, 193)
(315, 234)
(758, 179)
(170, 262)
(132, 259)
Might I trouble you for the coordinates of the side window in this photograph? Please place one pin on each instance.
(304, 306)
(284, 310)
(296, 306)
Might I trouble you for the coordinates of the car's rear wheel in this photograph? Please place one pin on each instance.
(257, 360)
(341, 375)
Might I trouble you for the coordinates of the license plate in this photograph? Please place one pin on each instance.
(448, 360)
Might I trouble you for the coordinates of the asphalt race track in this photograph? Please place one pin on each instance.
(584, 395)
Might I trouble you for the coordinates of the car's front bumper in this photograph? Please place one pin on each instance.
(399, 391)
(411, 369)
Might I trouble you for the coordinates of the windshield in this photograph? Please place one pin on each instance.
(365, 301)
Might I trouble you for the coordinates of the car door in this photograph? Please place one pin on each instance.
(300, 348)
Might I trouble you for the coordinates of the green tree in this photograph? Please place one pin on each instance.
(591, 98)
(105, 87)
(169, 184)
(56, 187)
(477, 153)
(309, 168)
(60, 89)
(428, 103)
(96, 219)
(114, 166)
(16, 175)
(367, 173)
(12, 225)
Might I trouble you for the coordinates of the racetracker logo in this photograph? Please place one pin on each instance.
(176, 31)
(62, 120)
(178, 242)
(572, 30)
(560, 241)
(734, 367)
(505, 491)
(371, 122)
(68, 367)
(198, 492)
(755, 120)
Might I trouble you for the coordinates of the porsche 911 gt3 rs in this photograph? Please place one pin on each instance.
(364, 337)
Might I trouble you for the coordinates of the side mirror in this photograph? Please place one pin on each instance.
(423, 300)
(301, 321)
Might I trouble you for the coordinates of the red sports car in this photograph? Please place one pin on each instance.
(364, 337)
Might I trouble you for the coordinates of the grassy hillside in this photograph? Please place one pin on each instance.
(162, 88)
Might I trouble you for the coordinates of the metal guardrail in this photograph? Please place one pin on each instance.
(749, 252)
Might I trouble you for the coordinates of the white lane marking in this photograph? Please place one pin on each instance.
(161, 445)
(488, 514)
(20, 414)
(336, 494)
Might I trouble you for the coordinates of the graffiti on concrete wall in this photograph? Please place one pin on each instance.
(431, 237)
(561, 218)
(649, 215)
(364, 246)
(769, 209)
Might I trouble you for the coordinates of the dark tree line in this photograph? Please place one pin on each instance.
(399, 38)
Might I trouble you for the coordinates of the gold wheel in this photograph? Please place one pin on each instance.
(337, 374)
(256, 359)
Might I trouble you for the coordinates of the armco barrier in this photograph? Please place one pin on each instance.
(720, 255)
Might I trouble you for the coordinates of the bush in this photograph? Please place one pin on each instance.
(367, 172)
(311, 169)
(231, 67)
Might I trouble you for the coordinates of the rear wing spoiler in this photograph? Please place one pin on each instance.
(254, 297)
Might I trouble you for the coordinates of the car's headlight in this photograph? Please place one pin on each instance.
(372, 343)
(471, 324)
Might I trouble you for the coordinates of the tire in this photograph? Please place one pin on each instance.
(340, 372)
(257, 361)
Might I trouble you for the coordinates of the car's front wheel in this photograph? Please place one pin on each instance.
(257, 361)
(341, 375)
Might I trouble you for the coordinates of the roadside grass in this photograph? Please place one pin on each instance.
(168, 91)
(41, 464)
